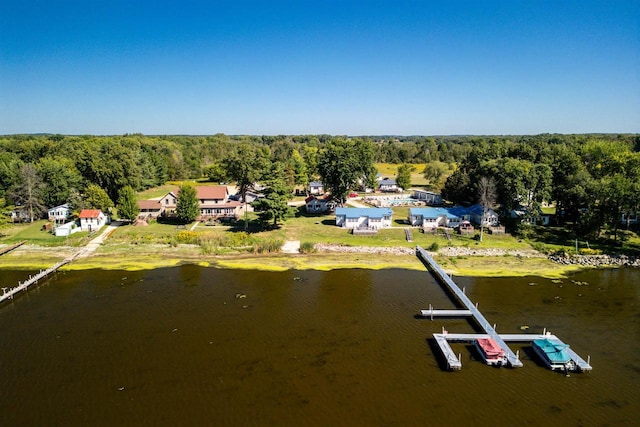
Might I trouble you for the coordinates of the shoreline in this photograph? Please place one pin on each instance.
(456, 261)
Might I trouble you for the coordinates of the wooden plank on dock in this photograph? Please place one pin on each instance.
(445, 313)
(452, 360)
(8, 293)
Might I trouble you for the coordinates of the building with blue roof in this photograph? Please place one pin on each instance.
(433, 217)
(363, 218)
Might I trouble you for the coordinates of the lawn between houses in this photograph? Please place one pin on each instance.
(164, 245)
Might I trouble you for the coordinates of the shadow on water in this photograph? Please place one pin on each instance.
(435, 349)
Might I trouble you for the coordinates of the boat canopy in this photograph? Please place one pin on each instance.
(555, 350)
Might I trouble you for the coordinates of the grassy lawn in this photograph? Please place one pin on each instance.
(34, 235)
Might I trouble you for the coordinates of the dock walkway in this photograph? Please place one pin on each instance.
(459, 295)
(8, 293)
(471, 310)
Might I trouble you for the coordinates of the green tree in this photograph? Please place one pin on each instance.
(345, 164)
(215, 172)
(274, 205)
(246, 167)
(28, 191)
(96, 198)
(59, 176)
(127, 204)
(187, 206)
(434, 172)
(403, 179)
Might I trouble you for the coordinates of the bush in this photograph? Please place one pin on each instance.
(433, 247)
(268, 246)
(540, 247)
(189, 237)
(307, 248)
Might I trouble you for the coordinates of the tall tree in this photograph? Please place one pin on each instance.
(487, 198)
(28, 191)
(246, 167)
(127, 204)
(274, 205)
(187, 206)
(344, 164)
(403, 179)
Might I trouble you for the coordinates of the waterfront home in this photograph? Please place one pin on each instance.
(389, 185)
(429, 197)
(168, 204)
(20, 214)
(150, 208)
(316, 188)
(431, 217)
(363, 218)
(92, 220)
(213, 201)
(316, 205)
(490, 218)
(59, 214)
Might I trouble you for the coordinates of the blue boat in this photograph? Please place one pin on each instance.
(554, 354)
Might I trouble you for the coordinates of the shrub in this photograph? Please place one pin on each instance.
(307, 248)
(433, 247)
(267, 246)
(189, 237)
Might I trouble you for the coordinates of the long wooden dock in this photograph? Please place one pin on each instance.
(8, 293)
(12, 247)
(471, 310)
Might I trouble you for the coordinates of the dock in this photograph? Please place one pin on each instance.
(12, 247)
(471, 310)
(8, 293)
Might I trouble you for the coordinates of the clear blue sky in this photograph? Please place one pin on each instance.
(308, 67)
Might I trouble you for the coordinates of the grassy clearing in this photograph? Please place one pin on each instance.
(505, 266)
(390, 170)
(35, 235)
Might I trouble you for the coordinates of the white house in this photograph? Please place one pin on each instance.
(367, 218)
(92, 220)
(389, 185)
(60, 214)
(316, 187)
(428, 197)
(433, 218)
(490, 219)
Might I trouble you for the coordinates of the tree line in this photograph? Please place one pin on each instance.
(92, 171)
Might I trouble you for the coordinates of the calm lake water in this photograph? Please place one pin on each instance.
(177, 347)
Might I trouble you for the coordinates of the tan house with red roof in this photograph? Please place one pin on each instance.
(92, 219)
(213, 200)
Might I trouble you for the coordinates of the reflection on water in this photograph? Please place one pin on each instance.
(183, 346)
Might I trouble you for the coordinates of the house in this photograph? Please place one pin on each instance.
(430, 198)
(363, 218)
(20, 214)
(315, 204)
(215, 203)
(316, 188)
(150, 208)
(92, 220)
(631, 217)
(60, 214)
(389, 185)
(524, 214)
(433, 218)
(491, 218)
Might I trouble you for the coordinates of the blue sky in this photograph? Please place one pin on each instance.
(310, 67)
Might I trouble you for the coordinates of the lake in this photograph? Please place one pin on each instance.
(200, 346)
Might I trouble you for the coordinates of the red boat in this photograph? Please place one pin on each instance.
(491, 352)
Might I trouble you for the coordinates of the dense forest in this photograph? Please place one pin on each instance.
(592, 179)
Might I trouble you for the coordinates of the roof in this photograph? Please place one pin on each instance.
(360, 212)
(218, 192)
(149, 204)
(315, 184)
(388, 181)
(432, 212)
(65, 206)
(90, 213)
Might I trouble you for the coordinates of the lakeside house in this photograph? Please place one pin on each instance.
(214, 202)
(59, 214)
(388, 185)
(317, 205)
(429, 197)
(431, 217)
(67, 229)
(92, 220)
(316, 188)
(363, 218)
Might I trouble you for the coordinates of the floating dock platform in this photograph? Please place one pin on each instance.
(471, 310)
